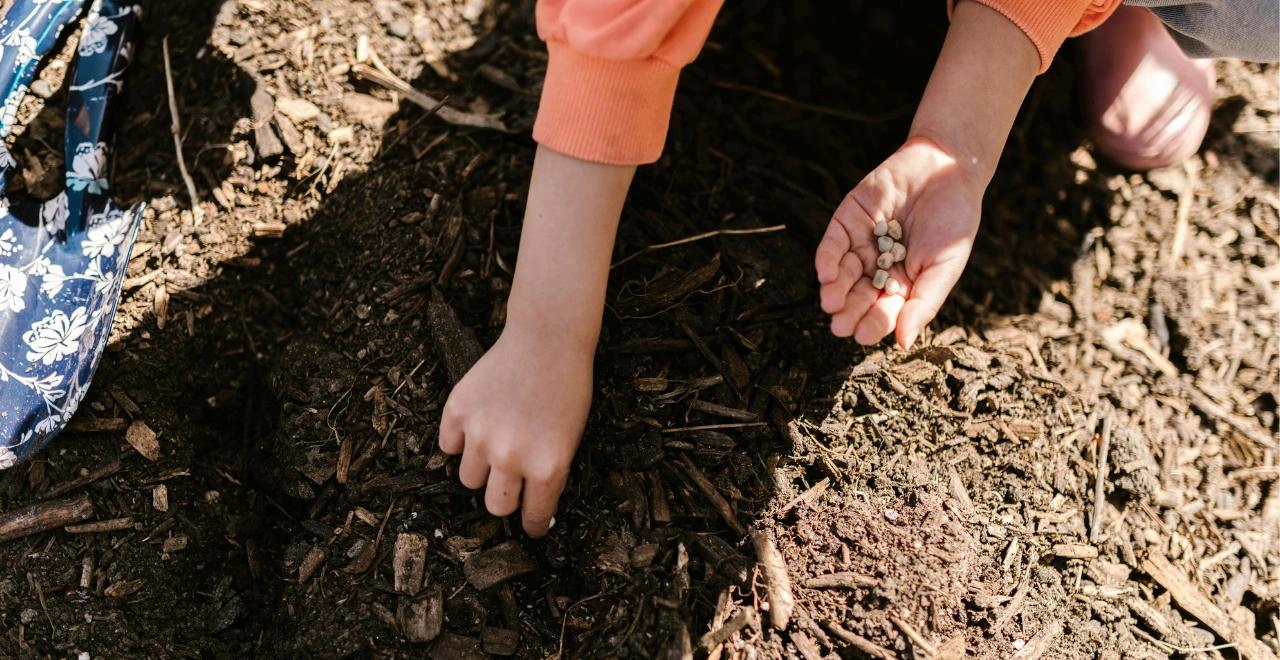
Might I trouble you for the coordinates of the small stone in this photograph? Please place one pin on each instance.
(42, 88)
(880, 278)
(299, 110)
(884, 243)
(881, 228)
(899, 252)
(895, 230)
(893, 287)
(884, 261)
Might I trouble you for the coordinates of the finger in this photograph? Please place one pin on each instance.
(927, 294)
(856, 304)
(856, 220)
(540, 499)
(879, 321)
(502, 496)
(451, 437)
(473, 472)
(833, 294)
(834, 245)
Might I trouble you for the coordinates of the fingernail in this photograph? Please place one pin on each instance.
(911, 339)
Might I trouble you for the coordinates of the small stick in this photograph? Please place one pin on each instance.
(743, 618)
(100, 526)
(176, 128)
(717, 500)
(861, 643)
(101, 472)
(915, 636)
(1100, 478)
(781, 602)
(381, 75)
(698, 237)
(714, 427)
(44, 516)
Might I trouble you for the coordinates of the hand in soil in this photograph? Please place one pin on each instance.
(938, 204)
(517, 418)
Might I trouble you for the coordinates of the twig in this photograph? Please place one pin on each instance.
(743, 618)
(781, 602)
(44, 516)
(379, 74)
(100, 526)
(820, 109)
(1185, 197)
(176, 128)
(714, 427)
(709, 490)
(1100, 478)
(698, 237)
(1207, 406)
(929, 648)
(1190, 598)
(101, 472)
(861, 643)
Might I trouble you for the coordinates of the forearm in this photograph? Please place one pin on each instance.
(982, 76)
(562, 270)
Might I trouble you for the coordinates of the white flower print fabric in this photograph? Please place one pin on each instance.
(62, 260)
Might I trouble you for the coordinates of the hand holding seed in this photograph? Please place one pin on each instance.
(897, 244)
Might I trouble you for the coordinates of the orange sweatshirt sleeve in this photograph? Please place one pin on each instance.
(1048, 23)
(611, 75)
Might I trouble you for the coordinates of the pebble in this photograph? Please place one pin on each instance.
(885, 260)
(42, 88)
(893, 287)
(880, 278)
(895, 230)
(881, 228)
(898, 252)
(884, 243)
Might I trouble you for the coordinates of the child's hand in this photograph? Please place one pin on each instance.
(938, 203)
(516, 418)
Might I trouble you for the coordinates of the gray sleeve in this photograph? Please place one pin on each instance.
(1244, 29)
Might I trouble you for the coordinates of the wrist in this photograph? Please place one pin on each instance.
(573, 329)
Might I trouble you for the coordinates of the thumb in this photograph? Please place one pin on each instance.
(927, 294)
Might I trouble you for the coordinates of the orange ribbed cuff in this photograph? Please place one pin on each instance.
(1046, 24)
(605, 111)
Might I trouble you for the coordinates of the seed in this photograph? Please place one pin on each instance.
(881, 228)
(893, 287)
(884, 261)
(880, 278)
(895, 230)
(899, 252)
(884, 243)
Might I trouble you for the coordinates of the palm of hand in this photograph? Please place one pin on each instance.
(927, 191)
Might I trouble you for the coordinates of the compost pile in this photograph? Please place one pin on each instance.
(1079, 458)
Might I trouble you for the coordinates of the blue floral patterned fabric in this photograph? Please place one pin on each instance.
(62, 261)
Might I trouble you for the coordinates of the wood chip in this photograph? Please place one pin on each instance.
(861, 643)
(297, 110)
(44, 516)
(143, 439)
(423, 618)
(409, 562)
(310, 564)
(1074, 551)
(1194, 601)
(160, 498)
(497, 565)
(101, 526)
(841, 581)
(456, 342)
(744, 617)
(500, 641)
(781, 602)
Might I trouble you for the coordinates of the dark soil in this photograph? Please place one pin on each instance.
(292, 349)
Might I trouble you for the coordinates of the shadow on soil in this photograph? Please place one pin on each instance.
(323, 336)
